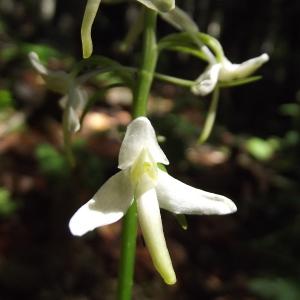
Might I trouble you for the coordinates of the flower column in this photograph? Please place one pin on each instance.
(141, 93)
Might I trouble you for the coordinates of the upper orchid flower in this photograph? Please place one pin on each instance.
(225, 71)
(140, 178)
(74, 97)
(91, 9)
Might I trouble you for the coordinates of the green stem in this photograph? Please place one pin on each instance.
(144, 81)
(149, 59)
(177, 81)
(211, 116)
(167, 78)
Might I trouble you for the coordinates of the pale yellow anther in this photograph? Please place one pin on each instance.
(144, 165)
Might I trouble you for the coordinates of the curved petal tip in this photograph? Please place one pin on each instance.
(179, 198)
(87, 219)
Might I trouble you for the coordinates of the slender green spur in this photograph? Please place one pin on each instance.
(91, 9)
(142, 180)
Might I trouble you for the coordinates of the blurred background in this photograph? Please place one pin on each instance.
(251, 157)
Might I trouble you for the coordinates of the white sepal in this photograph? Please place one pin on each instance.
(73, 120)
(80, 100)
(159, 5)
(56, 81)
(232, 71)
(36, 63)
(207, 81)
(151, 225)
(107, 206)
(140, 135)
(180, 198)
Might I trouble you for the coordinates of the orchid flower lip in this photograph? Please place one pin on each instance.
(208, 80)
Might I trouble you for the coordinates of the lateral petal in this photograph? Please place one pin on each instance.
(140, 135)
(180, 198)
(73, 120)
(231, 71)
(56, 81)
(107, 206)
(151, 225)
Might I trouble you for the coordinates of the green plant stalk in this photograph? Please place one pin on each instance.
(167, 78)
(148, 65)
(144, 81)
(211, 116)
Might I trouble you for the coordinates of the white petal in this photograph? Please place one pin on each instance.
(207, 81)
(231, 71)
(159, 5)
(57, 81)
(80, 100)
(140, 135)
(180, 198)
(150, 222)
(107, 206)
(36, 63)
(75, 103)
(73, 120)
(63, 101)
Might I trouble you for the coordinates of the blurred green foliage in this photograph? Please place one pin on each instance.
(6, 99)
(7, 206)
(51, 162)
(276, 288)
(262, 149)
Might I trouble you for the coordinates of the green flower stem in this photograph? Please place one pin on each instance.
(175, 80)
(149, 59)
(211, 116)
(167, 78)
(144, 81)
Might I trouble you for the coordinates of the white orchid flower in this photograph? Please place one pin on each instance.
(91, 9)
(141, 179)
(225, 71)
(74, 97)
